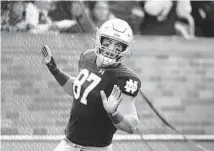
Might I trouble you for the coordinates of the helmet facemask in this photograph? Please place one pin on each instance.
(108, 56)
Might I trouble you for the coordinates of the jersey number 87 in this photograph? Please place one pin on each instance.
(81, 78)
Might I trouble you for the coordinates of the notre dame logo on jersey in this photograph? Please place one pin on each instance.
(131, 86)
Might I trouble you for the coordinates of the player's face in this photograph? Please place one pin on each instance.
(112, 44)
(110, 51)
(111, 47)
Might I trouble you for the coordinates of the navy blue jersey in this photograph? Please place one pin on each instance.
(89, 123)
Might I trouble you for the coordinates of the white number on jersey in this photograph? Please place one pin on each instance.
(81, 78)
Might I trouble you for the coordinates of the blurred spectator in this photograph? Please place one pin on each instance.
(36, 16)
(22, 16)
(203, 13)
(42, 19)
(55, 16)
(150, 17)
(167, 18)
(31, 15)
(89, 15)
(185, 22)
(13, 17)
(130, 11)
(59, 10)
(43, 7)
(159, 9)
(100, 12)
(5, 12)
(135, 18)
(78, 12)
(159, 17)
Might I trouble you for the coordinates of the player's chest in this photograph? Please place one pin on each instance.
(88, 84)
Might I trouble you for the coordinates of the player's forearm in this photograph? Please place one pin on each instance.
(61, 77)
(68, 86)
(65, 81)
(127, 123)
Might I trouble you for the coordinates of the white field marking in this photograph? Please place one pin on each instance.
(117, 137)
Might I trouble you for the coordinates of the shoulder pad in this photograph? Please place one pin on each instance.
(86, 56)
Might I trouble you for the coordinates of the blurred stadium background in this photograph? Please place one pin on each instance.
(177, 77)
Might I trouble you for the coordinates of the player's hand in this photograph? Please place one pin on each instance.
(49, 60)
(112, 102)
(46, 53)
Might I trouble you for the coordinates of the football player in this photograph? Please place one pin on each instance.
(104, 90)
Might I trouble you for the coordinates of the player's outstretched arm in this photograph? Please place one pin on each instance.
(65, 81)
(121, 109)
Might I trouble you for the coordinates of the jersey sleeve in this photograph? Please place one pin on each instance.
(129, 85)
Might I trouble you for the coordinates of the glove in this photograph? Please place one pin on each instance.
(49, 60)
(112, 102)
